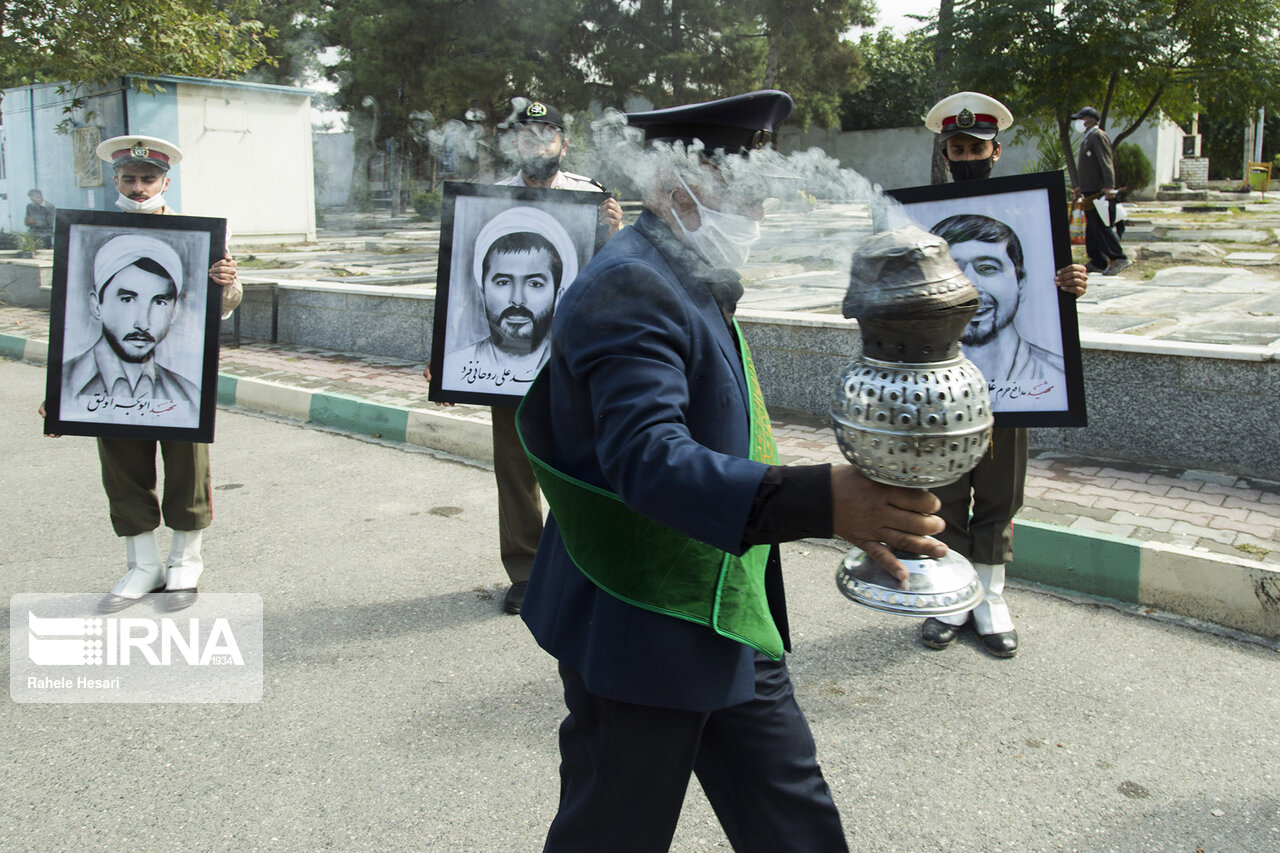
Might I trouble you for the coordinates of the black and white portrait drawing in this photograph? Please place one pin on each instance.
(133, 343)
(512, 252)
(1023, 337)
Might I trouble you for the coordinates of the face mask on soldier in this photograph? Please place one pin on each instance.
(971, 170)
(1078, 125)
(541, 168)
(149, 205)
(541, 150)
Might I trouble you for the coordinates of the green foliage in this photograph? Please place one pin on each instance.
(292, 43)
(897, 88)
(428, 204)
(93, 41)
(1222, 141)
(808, 56)
(28, 242)
(1133, 169)
(8, 240)
(672, 53)
(1049, 156)
(1125, 57)
(446, 57)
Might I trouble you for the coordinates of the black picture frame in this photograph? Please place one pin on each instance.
(183, 365)
(465, 366)
(1033, 206)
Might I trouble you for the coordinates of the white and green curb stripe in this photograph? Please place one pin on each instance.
(1232, 591)
(23, 349)
(446, 431)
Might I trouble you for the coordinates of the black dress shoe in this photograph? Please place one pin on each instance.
(112, 603)
(937, 634)
(178, 599)
(1002, 645)
(515, 597)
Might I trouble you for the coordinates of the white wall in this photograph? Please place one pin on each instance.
(255, 147)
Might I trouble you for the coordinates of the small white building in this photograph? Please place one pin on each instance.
(246, 150)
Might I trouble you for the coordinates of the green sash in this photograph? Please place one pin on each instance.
(649, 565)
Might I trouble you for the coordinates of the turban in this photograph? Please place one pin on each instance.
(119, 252)
(517, 220)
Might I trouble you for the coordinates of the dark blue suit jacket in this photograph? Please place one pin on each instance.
(644, 396)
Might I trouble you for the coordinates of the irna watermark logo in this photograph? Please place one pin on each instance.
(61, 650)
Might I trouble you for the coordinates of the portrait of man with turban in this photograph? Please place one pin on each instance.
(504, 286)
(137, 281)
(134, 328)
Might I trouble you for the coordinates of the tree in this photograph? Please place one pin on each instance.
(292, 42)
(808, 55)
(899, 86)
(677, 51)
(671, 52)
(943, 74)
(448, 57)
(1128, 58)
(92, 41)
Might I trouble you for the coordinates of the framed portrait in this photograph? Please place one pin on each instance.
(133, 326)
(1009, 236)
(507, 255)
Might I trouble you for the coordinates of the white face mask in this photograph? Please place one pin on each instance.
(1078, 124)
(724, 239)
(151, 205)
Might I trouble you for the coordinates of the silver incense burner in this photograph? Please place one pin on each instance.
(911, 410)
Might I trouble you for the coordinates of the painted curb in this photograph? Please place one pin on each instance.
(458, 435)
(24, 349)
(1235, 592)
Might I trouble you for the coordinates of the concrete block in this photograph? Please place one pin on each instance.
(259, 395)
(465, 437)
(1240, 593)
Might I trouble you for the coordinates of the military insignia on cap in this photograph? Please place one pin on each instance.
(964, 119)
(537, 110)
(140, 151)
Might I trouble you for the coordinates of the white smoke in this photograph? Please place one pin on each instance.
(461, 139)
(819, 211)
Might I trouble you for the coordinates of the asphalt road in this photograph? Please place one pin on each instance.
(403, 711)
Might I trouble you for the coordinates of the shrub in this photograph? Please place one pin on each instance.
(1133, 169)
(428, 204)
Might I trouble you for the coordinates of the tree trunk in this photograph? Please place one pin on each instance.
(679, 78)
(938, 172)
(771, 65)
(360, 197)
(1064, 139)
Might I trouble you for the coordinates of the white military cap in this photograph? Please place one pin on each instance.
(972, 113)
(120, 150)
